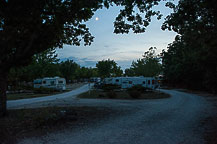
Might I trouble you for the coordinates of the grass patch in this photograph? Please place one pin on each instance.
(42, 93)
(96, 94)
(24, 96)
(17, 96)
(36, 122)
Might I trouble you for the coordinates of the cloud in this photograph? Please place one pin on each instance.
(106, 46)
(124, 64)
(81, 61)
(86, 62)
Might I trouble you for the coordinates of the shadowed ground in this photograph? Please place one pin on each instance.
(173, 120)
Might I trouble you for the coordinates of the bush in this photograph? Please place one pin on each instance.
(27, 87)
(111, 94)
(134, 94)
(43, 90)
(20, 88)
(136, 90)
(139, 88)
(101, 96)
(110, 87)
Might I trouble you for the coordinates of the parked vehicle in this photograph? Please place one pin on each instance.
(98, 85)
(128, 82)
(95, 79)
(51, 82)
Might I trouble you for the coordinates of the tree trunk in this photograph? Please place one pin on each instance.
(3, 88)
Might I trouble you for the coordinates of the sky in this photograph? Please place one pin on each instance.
(123, 48)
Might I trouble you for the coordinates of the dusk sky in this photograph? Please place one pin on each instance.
(121, 48)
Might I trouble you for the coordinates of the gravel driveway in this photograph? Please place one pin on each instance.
(72, 94)
(175, 120)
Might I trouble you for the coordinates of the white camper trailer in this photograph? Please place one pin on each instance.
(113, 80)
(127, 82)
(53, 82)
(95, 79)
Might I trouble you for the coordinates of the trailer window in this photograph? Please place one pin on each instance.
(60, 82)
(37, 82)
(44, 82)
(149, 82)
(153, 81)
(52, 82)
(143, 82)
(117, 80)
(130, 82)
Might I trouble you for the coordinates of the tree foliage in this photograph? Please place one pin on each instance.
(191, 59)
(148, 66)
(44, 64)
(108, 68)
(68, 70)
(29, 27)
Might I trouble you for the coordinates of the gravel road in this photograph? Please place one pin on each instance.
(175, 120)
(72, 94)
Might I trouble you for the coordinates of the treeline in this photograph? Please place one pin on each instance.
(148, 66)
(191, 60)
(47, 64)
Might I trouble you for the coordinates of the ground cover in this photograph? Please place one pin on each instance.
(37, 122)
(41, 92)
(123, 95)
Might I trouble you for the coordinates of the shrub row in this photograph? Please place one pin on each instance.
(136, 91)
(110, 87)
(43, 90)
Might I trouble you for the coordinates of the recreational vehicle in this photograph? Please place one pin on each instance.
(95, 79)
(127, 82)
(52, 82)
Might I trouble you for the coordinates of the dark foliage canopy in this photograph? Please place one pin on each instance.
(28, 27)
(108, 68)
(148, 66)
(191, 59)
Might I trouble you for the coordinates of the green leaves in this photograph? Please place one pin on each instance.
(68, 69)
(136, 16)
(148, 66)
(108, 68)
(191, 59)
(31, 27)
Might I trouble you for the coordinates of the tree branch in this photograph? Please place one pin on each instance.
(3, 4)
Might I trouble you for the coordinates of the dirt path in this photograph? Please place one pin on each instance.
(22, 102)
(172, 121)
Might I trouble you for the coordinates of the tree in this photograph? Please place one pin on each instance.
(44, 64)
(191, 59)
(108, 68)
(148, 66)
(30, 27)
(129, 72)
(86, 73)
(68, 69)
